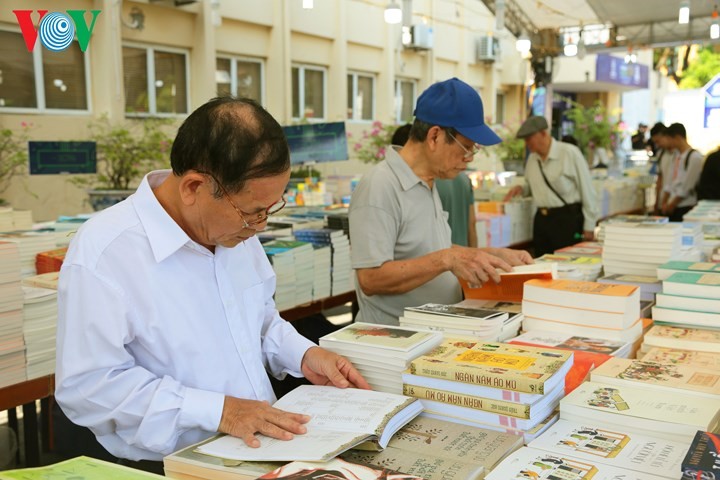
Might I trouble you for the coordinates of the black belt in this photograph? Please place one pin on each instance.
(570, 207)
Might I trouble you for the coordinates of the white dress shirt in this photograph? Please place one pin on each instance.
(683, 181)
(154, 329)
(568, 173)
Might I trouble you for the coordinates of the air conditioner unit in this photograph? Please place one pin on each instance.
(488, 48)
(421, 37)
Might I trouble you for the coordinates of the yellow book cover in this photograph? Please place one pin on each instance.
(595, 288)
(497, 365)
(500, 407)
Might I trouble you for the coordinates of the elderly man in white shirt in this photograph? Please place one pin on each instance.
(167, 326)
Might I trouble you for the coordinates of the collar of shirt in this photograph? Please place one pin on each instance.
(164, 234)
(552, 153)
(401, 169)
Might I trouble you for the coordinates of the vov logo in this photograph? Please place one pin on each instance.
(56, 30)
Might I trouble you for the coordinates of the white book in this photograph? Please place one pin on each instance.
(341, 419)
(406, 343)
(690, 284)
(620, 448)
(670, 316)
(678, 356)
(589, 318)
(531, 463)
(583, 295)
(621, 335)
(683, 337)
(679, 302)
(670, 415)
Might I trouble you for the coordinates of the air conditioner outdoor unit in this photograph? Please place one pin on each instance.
(421, 37)
(488, 48)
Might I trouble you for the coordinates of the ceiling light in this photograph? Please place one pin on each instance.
(307, 4)
(684, 12)
(715, 26)
(393, 13)
(570, 49)
(523, 44)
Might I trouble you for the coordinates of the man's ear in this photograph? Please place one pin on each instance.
(190, 185)
(434, 136)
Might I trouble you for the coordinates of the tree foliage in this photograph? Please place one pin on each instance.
(700, 71)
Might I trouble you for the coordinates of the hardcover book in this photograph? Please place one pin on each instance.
(441, 450)
(341, 419)
(670, 377)
(620, 448)
(497, 365)
(530, 463)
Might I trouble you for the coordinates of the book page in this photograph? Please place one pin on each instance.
(79, 468)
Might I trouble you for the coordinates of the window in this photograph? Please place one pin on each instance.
(360, 97)
(308, 92)
(499, 108)
(239, 77)
(155, 81)
(41, 80)
(404, 101)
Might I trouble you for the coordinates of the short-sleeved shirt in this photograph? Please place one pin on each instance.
(394, 215)
(456, 196)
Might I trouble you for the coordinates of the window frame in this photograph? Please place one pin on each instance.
(39, 76)
(499, 114)
(354, 75)
(398, 94)
(233, 72)
(302, 67)
(150, 66)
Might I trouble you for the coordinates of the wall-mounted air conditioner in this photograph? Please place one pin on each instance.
(488, 48)
(421, 37)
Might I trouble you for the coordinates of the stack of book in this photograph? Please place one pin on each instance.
(621, 448)
(489, 385)
(12, 346)
(671, 415)
(535, 464)
(639, 248)
(704, 211)
(689, 300)
(588, 352)
(676, 266)
(455, 320)
(511, 326)
(22, 220)
(283, 263)
(695, 339)
(645, 219)
(29, 245)
(582, 249)
(381, 353)
(50, 261)
(440, 450)
(572, 267)
(701, 460)
(339, 220)
(322, 272)
(6, 219)
(586, 309)
(649, 286)
(39, 328)
(44, 280)
(341, 275)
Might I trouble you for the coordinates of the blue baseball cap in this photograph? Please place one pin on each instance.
(454, 103)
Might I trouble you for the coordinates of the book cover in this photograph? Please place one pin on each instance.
(703, 458)
(510, 288)
(659, 376)
(497, 365)
(501, 407)
(673, 266)
(690, 284)
(683, 357)
(618, 448)
(335, 469)
(79, 468)
(341, 419)
(467, 313)
(430, 445)
(679, 337)
(381, 336)
(532, 464)
(604, 297)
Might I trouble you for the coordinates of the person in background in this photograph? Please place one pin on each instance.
(570, 139)
(709, 185)
(638, 139)
(167, 327)
(456, 196)
(401, 246)
(679, 190)
(558, 179)
(662, 160)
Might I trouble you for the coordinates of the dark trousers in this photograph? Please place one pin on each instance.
(678, 214)
(555, 228)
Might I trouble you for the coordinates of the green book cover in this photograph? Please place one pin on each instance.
(691, 278)
(707, 267)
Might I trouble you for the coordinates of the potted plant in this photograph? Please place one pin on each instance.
(370, 148)
(13, 155)
(125, 152)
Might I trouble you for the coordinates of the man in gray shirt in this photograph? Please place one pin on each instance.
(401, 247)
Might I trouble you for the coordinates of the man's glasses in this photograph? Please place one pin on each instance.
(260, 217)
(468, 153)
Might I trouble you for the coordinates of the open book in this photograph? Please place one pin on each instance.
(341, 419)
(510, 288)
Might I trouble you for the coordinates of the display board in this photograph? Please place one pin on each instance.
(317, 142)
(62, 157)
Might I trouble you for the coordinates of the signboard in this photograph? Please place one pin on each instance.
(62, 157)
(712, 103)
(614, 70)
(317, 142)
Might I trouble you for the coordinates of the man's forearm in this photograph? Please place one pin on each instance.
(401, 276)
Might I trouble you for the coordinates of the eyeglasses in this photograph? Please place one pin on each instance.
(468, 153)
(260, 217)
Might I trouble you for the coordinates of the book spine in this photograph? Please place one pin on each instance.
(501, 407)
(485, 378)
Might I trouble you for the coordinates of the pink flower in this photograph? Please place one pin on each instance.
(379, 155)
(357, 146)
(382, 151)
(23, 124)
(375, 132)
(349, 135)
(377, 124)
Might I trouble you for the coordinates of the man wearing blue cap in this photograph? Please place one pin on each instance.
(401, 245)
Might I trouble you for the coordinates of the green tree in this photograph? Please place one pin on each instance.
(701, 70)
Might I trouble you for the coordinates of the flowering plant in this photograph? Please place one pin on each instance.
(13, 154)
(511, 147)
(593, 127)
(370, 148)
